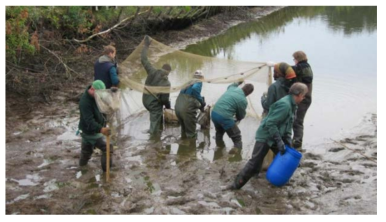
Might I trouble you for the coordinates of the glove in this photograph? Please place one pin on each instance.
(241, 82)
(106, 131)
(263, 98)
(288, 141)
(279, 143)
(203, 106)
(167, 105)
(147, 41)
(114, 89)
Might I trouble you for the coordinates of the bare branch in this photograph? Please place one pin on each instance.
(108, 30)
(68, 69)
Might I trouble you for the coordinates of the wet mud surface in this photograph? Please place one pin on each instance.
(172, 176)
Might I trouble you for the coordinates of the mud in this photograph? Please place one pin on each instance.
(167, 177)
(171, 177)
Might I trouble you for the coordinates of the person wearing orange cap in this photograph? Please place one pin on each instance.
(284, 77)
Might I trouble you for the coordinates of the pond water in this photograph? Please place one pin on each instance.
(341, 45)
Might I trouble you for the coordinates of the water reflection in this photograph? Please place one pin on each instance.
(349, 19)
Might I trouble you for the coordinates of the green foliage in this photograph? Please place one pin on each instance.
(17, 36)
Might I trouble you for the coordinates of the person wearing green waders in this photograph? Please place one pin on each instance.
(152, 101)
(189, 101)
(274, 131)
(92, 126)
(304, 75)
(284, 77)
(229, 109)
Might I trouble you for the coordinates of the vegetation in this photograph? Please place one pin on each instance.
(44, 44)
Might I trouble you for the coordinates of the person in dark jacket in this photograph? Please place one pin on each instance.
(229, 109)
(284, 77)
(275, 129)
(105, 68)
(304, 75)
(92, 126)
(188, 102)
(154, 102)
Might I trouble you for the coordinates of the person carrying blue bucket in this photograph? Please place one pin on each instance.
(275, 129)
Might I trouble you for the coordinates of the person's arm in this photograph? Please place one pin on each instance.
(114, 76)
(144, 60)
(277, 114)
(196, 92)
(271, 98)
(165, 98)
(233, 85)
(241, 110)
(88, 117)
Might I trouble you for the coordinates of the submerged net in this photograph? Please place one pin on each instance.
(219, 73)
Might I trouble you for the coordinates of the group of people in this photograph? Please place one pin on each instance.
(285, 106)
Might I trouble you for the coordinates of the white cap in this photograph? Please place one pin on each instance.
(198, 73)
(271, 64)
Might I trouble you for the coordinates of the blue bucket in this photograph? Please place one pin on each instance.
(283, 166)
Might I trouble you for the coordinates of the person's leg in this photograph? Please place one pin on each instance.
(190, 121)
(298, 126)
(101, 144)
(253, 166)
(235, 134)
(155, 121)
(182, 124)
(85, 153)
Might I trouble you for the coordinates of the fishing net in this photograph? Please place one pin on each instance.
(218, 75)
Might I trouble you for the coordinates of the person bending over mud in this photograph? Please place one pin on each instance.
(232, 103)
(187, 104)
(275, 129)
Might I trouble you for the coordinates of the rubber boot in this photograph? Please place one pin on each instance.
(235, 134)
(104, 160)
(85, 154)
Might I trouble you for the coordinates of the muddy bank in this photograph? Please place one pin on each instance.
(43, 177)
(168, 177)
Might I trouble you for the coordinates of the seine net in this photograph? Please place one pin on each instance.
(218, 75)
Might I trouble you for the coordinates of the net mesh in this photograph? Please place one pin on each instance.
(218, 74)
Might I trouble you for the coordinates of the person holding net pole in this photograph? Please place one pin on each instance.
(188, 102)
(229, 109)
(153, 101)
(92, 126)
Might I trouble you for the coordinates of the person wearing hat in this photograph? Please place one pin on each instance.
(229, 109)
(92, 125)
(154, 102)
(284, 77)
(188, 102)
(105, 68)
(305, 75)
(275, 129)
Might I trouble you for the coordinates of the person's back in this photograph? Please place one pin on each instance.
(232, 102)
(280, 117)
(187, 104)
(105, 68)
(284, 77)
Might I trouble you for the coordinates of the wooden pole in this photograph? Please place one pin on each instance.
(108, 158)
